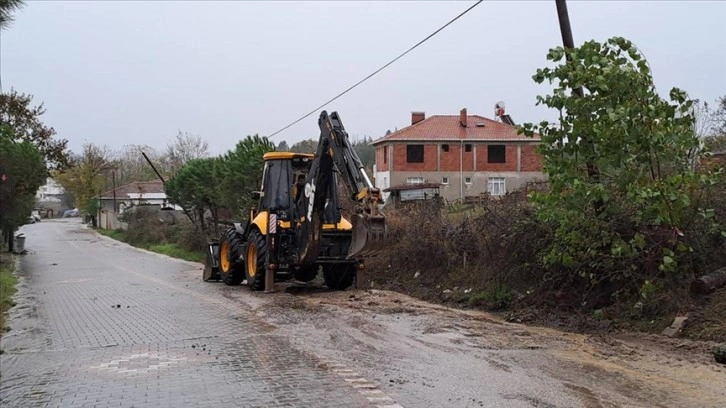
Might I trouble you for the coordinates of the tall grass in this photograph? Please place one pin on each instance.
(7, 287)
(166, 248)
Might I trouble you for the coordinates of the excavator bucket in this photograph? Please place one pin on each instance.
(369, 235)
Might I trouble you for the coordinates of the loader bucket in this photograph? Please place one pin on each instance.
(369, 235)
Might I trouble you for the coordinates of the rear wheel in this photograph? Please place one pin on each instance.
(255, 260)
(339, 276)
(230, 248)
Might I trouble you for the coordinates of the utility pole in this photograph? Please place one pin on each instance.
(113, 185)
(567, 41)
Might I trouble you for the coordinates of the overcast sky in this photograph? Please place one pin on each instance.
(119, 73)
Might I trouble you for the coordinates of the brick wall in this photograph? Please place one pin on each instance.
(450, 159)
(400, 164)
(531, 159)
(482, 159)
(381, 160)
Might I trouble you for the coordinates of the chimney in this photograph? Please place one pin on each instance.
(417, 117)
(462, 118)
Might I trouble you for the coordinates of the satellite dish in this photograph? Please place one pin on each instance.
(499, 108)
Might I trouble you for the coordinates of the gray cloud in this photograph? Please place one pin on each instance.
(135, 72)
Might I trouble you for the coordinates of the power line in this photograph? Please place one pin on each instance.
(378, 70)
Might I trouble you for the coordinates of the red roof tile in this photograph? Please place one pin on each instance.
(143, 187)
(447, 128)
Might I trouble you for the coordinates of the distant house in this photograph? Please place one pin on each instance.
(49, 199)
(115, 202)
(468, 155)
(50, 192)
(137, 193)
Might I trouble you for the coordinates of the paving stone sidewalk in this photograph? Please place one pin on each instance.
(99, 324)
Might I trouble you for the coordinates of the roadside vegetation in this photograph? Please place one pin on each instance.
(7, 288)
(27, 151)
(634, 211)
(171, 235)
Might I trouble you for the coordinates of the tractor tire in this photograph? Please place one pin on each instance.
(256, 260)
(230, 248)
(339, 276)
(306, 273)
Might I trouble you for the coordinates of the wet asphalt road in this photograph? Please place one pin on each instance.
(101, 324)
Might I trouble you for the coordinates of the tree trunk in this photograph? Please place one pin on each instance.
(708, 283)
(10, 236)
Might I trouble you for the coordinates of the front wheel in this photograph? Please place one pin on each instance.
(339, 276)
(230, 249)
(255, 260)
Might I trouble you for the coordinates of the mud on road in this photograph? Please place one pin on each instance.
(435, 352)
(72, 344)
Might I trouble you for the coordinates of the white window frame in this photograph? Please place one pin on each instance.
(444, 180)
(497, 186)
(414, 180)
(467, 181)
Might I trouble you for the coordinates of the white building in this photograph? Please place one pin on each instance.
(50, 192)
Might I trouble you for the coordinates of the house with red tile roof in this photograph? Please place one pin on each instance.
(136, 193)
(467, 154)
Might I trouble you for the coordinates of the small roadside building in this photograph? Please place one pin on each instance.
(407, 193)
(114, 202)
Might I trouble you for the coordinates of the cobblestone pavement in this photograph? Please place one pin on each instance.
(99, 324)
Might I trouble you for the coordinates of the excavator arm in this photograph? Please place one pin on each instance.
(336, 155)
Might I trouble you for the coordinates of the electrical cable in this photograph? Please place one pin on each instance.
(376, 71)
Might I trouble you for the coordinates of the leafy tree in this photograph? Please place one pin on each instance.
(184, 148)
(305, 146)
(720, 117)
(283, 147)
(631, 218)
(22, 172)
(131, 165)
(712, 124)
(242, 171)
(193, 187)
(24, 119)
(7, 8)
(88, 176)
(365, 151)
(211, 185)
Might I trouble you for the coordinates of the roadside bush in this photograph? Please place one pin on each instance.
(184, 234)
(490, 249)
(151, 226)
(145, 226)
(626, 200)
